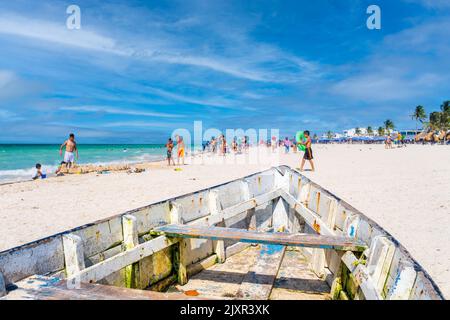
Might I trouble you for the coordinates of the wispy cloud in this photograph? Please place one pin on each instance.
(440, 4)
(265, 63)
(214, 102)
(139, 124)
(6, 77)
(119, 111)
(393, 85)
(400, 69)
(41, 30)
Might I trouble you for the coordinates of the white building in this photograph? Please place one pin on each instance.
(334, 136)
(362, 132)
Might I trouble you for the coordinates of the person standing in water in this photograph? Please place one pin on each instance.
(308, 152)
(71, 148)
(169, 146)
(180, 149)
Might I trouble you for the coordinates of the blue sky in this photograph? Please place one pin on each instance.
(139, 69)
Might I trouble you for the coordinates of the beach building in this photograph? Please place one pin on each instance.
(349, 133)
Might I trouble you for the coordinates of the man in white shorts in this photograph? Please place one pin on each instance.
(71, 148)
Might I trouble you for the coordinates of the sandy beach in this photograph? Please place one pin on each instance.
(404, 190)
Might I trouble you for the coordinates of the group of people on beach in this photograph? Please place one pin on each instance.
(214, 145)
(220, 146)
(69, 158)
(180, 150)
(238, 145)
(399, 140)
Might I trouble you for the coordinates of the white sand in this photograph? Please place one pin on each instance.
(406, 191)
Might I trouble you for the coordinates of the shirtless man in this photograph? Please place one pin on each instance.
(169, 146)
(71, 147)
(308, 152)
(180, 149)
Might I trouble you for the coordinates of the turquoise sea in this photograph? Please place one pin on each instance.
(17, 161)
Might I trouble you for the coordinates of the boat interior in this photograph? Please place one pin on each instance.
(272, 235)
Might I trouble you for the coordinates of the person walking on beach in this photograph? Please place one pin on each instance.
(169, 146)
(180, 149)
(71, 148)
(388, 142)
(224, 146)
(308, 152)
(287, 145)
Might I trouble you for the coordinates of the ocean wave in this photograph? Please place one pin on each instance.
(27, 173)
(20, 174)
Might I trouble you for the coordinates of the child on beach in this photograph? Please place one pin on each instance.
(40, 172)
(308, 152)
(58, 171)
(169, 146)
(71, 147)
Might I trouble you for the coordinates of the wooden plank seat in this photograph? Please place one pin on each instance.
(50, 288)
(242, 235)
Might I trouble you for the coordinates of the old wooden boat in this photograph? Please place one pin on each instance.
(271, 235)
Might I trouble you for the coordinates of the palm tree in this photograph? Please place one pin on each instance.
(329, 134)
(389, 125)
(380, 131)
(445, 106)
(419, 115)
(435, 120)
(357, 131)
(369, 131)
(315, 137)
(445, 117)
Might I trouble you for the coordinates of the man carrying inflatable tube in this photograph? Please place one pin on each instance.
(304, 144)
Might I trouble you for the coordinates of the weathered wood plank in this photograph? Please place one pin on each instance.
(47, 288)
(258, 282)
(2, 286)
(100, 270)
(365, 283)
(19, 263)
(287, 239)
(130, 240)
(73, 254)
(201, 265)
(183, 261)
(311, 218)
(236, 248)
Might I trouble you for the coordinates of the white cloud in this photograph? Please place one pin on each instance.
(119, 111)
(243, 58)
(215, 102)
(410, 64)
(439, 4)
(56, 33)
(138, 124)
(386, 86)
(6, 77)
(427, 37)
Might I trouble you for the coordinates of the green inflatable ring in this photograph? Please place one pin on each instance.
(300, 136)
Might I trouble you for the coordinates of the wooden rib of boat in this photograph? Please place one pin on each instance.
(271, 235)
